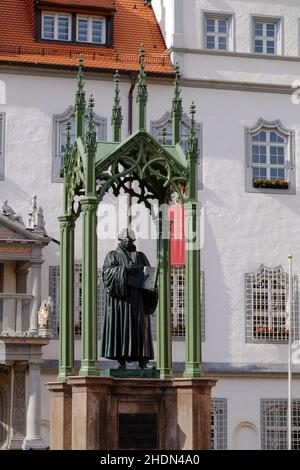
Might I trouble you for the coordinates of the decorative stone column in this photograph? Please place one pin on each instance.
(66, 320)
(164, 345)
(192, 218)
(192, 213)
(89, 287)
(36, 296)
(33, 439)
(18, 406)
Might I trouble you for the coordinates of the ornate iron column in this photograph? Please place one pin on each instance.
(66, 318)
(164, 340)
(192, 211)
(89, 205)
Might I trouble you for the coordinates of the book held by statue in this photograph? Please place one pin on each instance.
(144, 279)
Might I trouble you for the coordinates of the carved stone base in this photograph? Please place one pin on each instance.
(150, 373)
(98, 413)
(16, 443)
(34, 444)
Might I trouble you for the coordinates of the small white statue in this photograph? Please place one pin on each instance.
(31, 215)
(10, 213)
(44, 312)
(36, 219)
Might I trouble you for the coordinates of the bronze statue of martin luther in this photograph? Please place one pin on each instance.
(128, 306)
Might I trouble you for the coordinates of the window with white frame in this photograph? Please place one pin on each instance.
(2, 144)
(164, 125)
(91, 29)
(267, 35)
(178, 303)
(219, 423)
(270, 157)
(274, 426)
(218, 32)
(54, 293)
(56, 26)
(267, 317)
(60, 137)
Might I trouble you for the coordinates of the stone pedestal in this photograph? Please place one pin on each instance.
(61, 416)
(99, 413)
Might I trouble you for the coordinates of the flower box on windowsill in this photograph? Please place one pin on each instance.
(271, 184)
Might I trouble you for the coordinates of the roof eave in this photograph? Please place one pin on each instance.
(125, 71)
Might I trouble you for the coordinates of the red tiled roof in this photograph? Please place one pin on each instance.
(134, 23)
(81, 3)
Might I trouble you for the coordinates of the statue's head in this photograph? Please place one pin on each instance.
(127, 238)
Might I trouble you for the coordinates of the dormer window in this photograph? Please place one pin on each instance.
(91, 29)
(56, 26)
(75, 28)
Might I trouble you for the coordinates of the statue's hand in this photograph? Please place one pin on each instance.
(134, 268)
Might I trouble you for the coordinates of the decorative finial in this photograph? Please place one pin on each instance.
(80, 94)
(192, 114)
(66, 156)
(68, 129)
(91, 114)
(177, 100)
(116, 119)
(193, 141)
(90, 137)
(80, 100)
(142, 94)
(164, 135)
(177, 107)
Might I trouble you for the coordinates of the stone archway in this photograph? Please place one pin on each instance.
(246, 436)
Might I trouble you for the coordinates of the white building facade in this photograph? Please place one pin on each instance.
(239, 64)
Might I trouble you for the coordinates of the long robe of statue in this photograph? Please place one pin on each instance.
(126, 331)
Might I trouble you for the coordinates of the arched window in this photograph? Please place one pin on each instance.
(156, 128)
(60, 137)
(266, 301)
(270, 158)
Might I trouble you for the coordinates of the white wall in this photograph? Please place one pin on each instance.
(242, 230)
(237, 240)
(243, 401)
(189, 25)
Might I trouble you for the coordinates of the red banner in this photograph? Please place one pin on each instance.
(176, 214)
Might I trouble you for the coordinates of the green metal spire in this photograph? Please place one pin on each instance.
(193, 153)
(80, 100)
(89, 206)
(91, 126)
(90, 148)
(142, 94)
(192, 215)
(67, 149)
(117, 118)
(177, 108)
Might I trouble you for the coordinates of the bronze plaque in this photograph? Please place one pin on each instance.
(138, 431)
